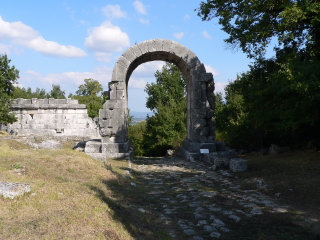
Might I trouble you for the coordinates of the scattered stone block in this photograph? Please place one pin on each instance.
(189, 232)
(170, 153)
(49, 144)
(273, 149)
(238, 165)
(12, 190)
(215, 235)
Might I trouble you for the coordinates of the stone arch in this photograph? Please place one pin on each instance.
(113, 118)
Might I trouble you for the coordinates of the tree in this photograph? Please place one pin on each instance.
(136, 135)
(166, 98)
(56, 92)
(28, 93)
(90, 93)
(8, 76)
(277, 100)
(252, 25)
(89, 88)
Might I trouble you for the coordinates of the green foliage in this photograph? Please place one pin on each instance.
(8, 76)
(169, 85)
(167, 128)
(135, 134)
(89, 88)
(277, 101)
(56, 92)
(90, 94)
(28, 93)
(251, 25)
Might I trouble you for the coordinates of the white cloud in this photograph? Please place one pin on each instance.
(113, 11)
(206, 35)
(17, 85)
(107, 38)
(4, 48)
(211, 69)
(144, 21)
(24, 35)
(140, 8)
(137, 83)
(186, 17)
(219, 87)
(178, 35)
(144, 73)
(68, 81)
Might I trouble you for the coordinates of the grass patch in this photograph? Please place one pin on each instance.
(3, 133)
(62, 204)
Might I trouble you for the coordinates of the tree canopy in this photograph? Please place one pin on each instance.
(252, 25)
(277, 100)
(8, 76)
(56, 92)
(27, 93)
(90, 94)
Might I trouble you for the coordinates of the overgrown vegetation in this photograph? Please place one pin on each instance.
(277, 100)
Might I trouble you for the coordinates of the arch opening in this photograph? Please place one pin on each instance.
(113, 118)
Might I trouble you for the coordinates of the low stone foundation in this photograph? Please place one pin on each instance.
(51, 117)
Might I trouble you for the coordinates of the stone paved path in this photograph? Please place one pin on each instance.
(203, 203)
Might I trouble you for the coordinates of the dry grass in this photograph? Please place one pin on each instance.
(61, 204)
(3, 133)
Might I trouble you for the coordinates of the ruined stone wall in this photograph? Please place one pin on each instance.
(51, 117)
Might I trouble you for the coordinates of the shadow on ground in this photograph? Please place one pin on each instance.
(172, 199)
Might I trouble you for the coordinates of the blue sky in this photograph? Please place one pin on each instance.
(64, 42)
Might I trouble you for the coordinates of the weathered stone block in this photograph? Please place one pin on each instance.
(123, 62)
(167, 45)
(238, 165)
(143, 46)
(119, 73)
(129, 55)
(12, 190)
(136, 51)
(93, 147)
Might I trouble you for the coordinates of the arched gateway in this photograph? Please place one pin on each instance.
(113, 118)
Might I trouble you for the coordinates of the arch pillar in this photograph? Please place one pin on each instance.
(113, 118)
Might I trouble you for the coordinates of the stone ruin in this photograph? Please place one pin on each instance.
(51, 117)
(113, 118)
(66, 117)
